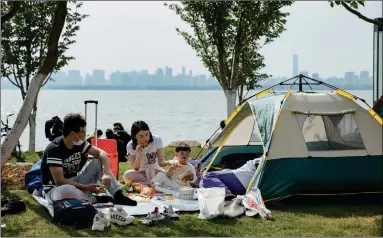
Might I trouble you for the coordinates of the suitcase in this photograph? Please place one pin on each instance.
(86, 110)
(104, 143)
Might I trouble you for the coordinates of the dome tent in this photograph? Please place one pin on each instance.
(310, 143)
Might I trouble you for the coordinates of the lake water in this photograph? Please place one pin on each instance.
(174, 115)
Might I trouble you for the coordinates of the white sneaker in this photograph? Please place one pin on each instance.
(99, 222)
(155, 216)
(119, 216)
(170, 213)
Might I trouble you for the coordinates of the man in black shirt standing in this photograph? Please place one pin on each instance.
(63, 159)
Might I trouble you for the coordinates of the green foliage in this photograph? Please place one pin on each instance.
(227, 35)
(352, 7)
(25, 38)
(353, 4)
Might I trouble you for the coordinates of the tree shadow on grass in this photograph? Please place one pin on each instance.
(363, 205)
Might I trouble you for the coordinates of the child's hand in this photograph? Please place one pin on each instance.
(174, 163)
(171, 168)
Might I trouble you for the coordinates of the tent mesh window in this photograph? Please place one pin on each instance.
(330, 132)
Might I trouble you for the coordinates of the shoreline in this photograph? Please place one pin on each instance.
(364, 87)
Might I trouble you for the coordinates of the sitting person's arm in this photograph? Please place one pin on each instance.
(57, 172)
(103, 156)
(160, 152)
(171, 171)
(161, 158)
(135, 156)
(58, 176)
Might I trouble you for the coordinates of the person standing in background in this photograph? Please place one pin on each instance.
(124, 136)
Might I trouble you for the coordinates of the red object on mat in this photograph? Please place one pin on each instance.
(110, 147)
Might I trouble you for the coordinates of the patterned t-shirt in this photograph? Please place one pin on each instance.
(150, 151)
(57, 154)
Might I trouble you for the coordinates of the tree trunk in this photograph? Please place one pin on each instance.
(231, 96)
(47, 67)
(240, 93)
(32, 128)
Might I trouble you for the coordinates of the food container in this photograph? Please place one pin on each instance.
(186, 193)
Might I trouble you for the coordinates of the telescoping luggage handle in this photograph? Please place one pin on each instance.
(95, 126)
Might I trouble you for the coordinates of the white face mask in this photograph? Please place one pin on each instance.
(79, 142)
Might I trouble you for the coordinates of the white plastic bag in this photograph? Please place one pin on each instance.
(254, 202)
(211, 202)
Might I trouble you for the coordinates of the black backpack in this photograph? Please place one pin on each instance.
(53, 128)
(74, 212)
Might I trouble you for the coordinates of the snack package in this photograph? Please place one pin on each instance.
(168, 196)
(147, 192)
(254, 202)
(128, 181)
(137, 187)
(186, 177)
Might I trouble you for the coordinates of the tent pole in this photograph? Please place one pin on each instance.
(300, 83)
(336, 88)
(281, 83)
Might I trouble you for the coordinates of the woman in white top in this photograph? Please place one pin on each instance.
(145, 154)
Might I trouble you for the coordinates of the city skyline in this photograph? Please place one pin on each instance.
(165, 78)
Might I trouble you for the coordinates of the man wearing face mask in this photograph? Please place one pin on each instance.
(63, 160)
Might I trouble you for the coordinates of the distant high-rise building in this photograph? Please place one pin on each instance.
(315, 76)
(349, 75)
(305, 73)
(295, 65)
(183, 70)
(364, 75)
(74, 78)
(168, 72)
(160, 73)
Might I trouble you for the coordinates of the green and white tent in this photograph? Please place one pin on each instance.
(310, 143)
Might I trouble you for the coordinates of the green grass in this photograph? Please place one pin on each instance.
(290, 219)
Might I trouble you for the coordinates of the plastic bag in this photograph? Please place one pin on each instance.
(254, 202)
(234, 208)
(211, 202)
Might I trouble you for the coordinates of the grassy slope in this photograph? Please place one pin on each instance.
(290, 220)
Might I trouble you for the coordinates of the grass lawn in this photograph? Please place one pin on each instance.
(292, 219)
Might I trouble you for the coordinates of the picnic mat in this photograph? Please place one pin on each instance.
(142, 208)
(144, 205)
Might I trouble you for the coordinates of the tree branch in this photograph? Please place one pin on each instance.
(14, 83)
(14, 9)
(47, 79)
(53, 40)
(361, 16)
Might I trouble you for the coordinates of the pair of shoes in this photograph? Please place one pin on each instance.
(170, 213)
(117, 216)
(12, 205)
(100, 222)
(153, 217)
